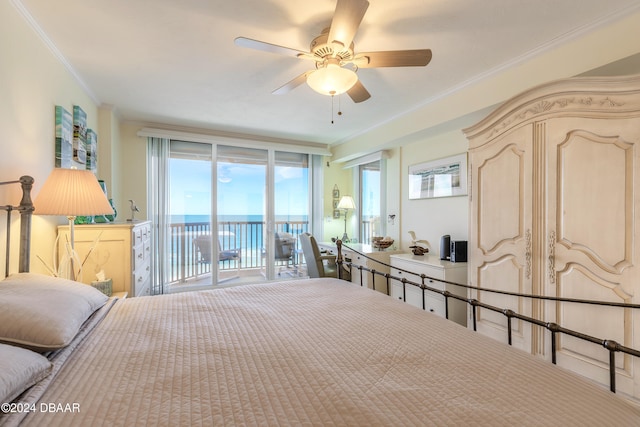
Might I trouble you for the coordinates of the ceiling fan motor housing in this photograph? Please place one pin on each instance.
(321, 48)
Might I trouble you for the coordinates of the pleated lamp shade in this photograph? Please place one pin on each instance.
(346, 202)
(72, 192)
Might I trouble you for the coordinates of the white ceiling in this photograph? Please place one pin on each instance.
(174, 62)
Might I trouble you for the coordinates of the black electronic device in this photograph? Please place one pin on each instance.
(445, 247)
(458, 251)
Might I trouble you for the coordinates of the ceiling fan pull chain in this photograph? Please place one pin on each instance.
(340, 104)
(332, 98)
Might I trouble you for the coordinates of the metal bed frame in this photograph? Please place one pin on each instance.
(612, 346)
(26, 209)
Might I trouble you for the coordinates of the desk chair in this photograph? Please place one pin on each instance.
(319, 265)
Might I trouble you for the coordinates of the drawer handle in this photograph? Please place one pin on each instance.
(148, 268)
(140, 279)
(431, 310)
(140, 256)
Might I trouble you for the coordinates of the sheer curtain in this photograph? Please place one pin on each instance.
(158, 208)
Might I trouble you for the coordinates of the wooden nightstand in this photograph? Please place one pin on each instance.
(120, 295)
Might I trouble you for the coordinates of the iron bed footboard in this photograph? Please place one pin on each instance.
(26, 209)
(554, 329)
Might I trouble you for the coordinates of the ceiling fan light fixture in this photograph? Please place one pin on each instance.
(332, 79)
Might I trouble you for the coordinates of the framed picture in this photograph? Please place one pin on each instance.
(336, 214)
(335, 203)
(439, 178)
(336, 193)
(64, 138)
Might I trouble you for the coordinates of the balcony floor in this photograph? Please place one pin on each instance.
(230, 278)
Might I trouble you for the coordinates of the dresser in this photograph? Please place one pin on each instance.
(373, 259)
(436, 270)
(121, 250)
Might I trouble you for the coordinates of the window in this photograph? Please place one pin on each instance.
(371, 186)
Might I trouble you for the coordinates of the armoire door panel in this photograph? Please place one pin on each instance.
(511, 274)
(594, 199)
(500, 243)
(577, 282)
(506, 225)
(592, 214)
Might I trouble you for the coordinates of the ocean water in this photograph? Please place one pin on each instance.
(189, 219)
(242, 231)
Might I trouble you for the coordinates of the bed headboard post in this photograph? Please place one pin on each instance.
(26, 210)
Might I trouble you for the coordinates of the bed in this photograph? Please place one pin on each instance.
(300, 352)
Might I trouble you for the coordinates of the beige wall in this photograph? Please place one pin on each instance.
(32, 82)
(432, 218)
(434, 131)
(132, 171)
(334, 174)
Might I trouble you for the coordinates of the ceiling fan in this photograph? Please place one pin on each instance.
(336, 62)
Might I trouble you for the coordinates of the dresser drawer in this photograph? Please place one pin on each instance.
(434, 303)
(141, 277)
(429, 271)
(139, 258)
(438, 273)
(411, 295)
(142, 285)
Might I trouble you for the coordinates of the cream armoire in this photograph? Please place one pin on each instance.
(555, 211)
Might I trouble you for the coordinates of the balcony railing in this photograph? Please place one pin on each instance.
(245, 236)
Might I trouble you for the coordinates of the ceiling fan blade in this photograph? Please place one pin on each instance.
(289, 86)
(268, 47)
(346, 20)
(358, 93)
(393, 58)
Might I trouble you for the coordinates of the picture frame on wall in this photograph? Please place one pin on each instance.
(64, 138)
(92, 151)
(336, 214)
(446, 177)
(79, 135)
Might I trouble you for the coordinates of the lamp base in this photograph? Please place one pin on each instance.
(345, 238)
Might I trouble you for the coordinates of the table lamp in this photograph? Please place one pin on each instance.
(346, 203)
(71, 193)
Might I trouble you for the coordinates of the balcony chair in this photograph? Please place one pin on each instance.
(285, 246)
(202, 245)
(318, 264)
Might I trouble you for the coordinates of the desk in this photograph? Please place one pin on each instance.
(354, 256)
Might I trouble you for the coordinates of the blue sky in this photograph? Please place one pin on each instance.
(243, 194)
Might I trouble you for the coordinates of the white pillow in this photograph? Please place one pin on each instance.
(20, 369)
(44, 313)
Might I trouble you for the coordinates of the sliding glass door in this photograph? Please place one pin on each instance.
(291, 209)
(235, 214)
(190, 220)
(241, 213)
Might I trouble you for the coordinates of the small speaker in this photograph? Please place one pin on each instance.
(445, 247)
(459, 251)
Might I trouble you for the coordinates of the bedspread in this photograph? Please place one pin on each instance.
(309, 352)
